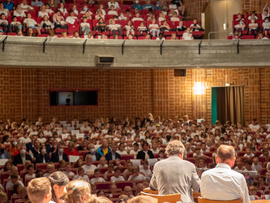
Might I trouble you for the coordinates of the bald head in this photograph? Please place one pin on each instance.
(225, 154)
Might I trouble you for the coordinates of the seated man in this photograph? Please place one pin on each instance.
(22, 156)
(39, 190)
(59, 154)
(179, 177)
(222, 183)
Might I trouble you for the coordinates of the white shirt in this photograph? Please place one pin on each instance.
(10, 184)
(31, 22)
(24, 140)
(187, 36)
(116, 5)
(94, 180)
(17, 14)
(139, 177)
(222, 183)
(42, 14)
(25, 6)
(89, 169)
(114, 179)
(85, 178)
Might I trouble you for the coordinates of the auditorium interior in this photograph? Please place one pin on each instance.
(123, 74)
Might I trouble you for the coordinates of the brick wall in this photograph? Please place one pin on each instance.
(194, 8)
(254, 5)
(24, 92)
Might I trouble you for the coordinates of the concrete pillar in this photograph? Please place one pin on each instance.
(222, 15)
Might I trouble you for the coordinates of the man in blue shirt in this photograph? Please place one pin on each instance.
(8, 4)
(137, 6)
(148, 5)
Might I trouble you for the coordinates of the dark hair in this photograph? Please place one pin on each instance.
(15, 187)
(30, 166)
(57, 178)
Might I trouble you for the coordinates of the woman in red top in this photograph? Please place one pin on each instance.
(71, 150)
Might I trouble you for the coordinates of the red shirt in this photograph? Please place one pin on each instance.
(74, 153)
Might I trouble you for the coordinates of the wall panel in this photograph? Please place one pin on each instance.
(24, 92)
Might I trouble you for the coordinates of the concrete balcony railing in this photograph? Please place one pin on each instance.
(47, 52)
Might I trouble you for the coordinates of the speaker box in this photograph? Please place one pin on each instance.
(179, 72)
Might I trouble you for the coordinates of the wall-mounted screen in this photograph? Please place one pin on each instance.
(73, 97)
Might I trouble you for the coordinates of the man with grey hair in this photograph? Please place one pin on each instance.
(175, 175)
(222, 183)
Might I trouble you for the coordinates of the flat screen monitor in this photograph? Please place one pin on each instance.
(73, 97)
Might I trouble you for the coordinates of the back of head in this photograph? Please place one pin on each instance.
(77, 190)
(143, 199)
(57, 178)
(175, 147)
(38, 189)
(103, 200)
(225, 153)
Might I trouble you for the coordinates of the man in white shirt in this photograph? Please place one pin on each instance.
(88, 166)
(222, 183)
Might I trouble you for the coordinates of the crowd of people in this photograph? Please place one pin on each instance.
(98, 20)
(108, 152)
(252, 25)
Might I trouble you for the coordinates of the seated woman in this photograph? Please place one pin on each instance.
(59, 23)
(129, 28)
(74, 9)
(62, 9)
(43, 12)
(101, 8)
(112, 11)
(88, 16)
(161, 17)
(99, 15)
(154, 28)
(101, 25)
(175, 17)
(48, 9)
(165, 27)
(19, 12)
(46, 23)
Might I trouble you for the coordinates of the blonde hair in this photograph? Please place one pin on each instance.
(175, 147)
(38, 188)
(142, 199)
(76, 189)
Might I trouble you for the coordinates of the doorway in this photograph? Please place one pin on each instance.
(228, 104)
